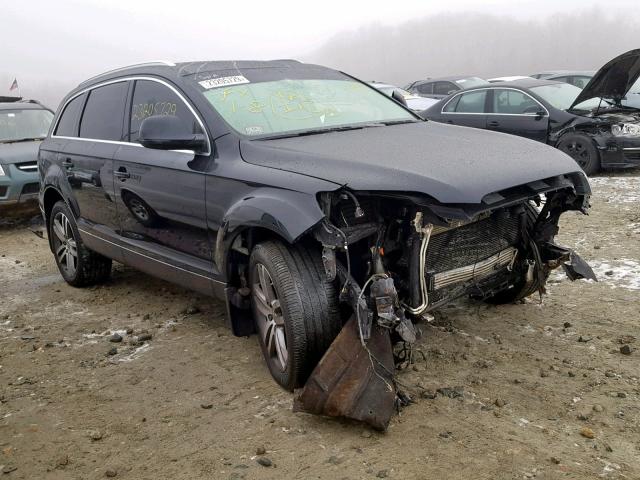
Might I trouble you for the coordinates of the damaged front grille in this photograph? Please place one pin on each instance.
(462, 257)
(472, 242)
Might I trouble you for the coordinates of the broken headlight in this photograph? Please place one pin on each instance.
(626, 130)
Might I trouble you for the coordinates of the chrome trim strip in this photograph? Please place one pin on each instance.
(128, 79)
(442, 112)
(147, 256)
(631, 149)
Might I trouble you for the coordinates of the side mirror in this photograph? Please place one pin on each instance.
(398, 97)
(535, 111)
(168, 132)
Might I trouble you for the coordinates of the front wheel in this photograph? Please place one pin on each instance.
(78, 265)
(295, 309)
(581, 149)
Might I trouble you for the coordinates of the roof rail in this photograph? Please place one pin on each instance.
(153, 62)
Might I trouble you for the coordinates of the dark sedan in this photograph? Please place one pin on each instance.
(444, 86)
(596, 126)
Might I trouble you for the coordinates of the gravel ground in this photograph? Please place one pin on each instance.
(533, 390)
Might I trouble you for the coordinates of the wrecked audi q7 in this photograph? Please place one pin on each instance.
(316, 206)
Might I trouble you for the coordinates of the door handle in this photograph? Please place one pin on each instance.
(493, 123)
(67, 163)
(122, 173)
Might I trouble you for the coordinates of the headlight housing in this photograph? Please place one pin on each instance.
(626, 130)
(2, 174)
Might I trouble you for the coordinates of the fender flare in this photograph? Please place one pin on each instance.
(287, 214)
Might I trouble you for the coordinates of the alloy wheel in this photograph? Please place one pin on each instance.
(65, 246)
(269, 319)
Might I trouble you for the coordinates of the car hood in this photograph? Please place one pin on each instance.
(613, 80)
(19, 152)
(449, 163)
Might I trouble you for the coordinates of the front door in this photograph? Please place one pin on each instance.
(515, 112)
(160, 195)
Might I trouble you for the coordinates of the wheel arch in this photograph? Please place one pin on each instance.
(50, 197)
(286, 217)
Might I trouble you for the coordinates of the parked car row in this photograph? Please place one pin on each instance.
(593, 117)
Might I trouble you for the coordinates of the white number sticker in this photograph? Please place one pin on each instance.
(223, 81)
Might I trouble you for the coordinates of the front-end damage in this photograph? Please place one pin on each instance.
(399, 256)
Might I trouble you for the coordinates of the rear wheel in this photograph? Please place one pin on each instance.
(78, 265)
(581, 149)
(295, 309)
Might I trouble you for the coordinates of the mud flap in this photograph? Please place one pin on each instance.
(352, 381)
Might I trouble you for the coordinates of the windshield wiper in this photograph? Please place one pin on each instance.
(337, 129)
(17, 140)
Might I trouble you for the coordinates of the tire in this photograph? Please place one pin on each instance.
(582, 150)
(289, 283)
(79, 266)
(519, 289)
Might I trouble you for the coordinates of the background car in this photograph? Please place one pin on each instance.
(414, 102)
(507, 79)
(579, 79)
(23, 124)
(443, 86)
(595, 125)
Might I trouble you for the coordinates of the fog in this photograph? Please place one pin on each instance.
(49, 47)
(481, 44)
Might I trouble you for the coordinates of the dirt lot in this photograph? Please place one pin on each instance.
(194, 402)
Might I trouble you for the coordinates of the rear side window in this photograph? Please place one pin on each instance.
(472, 102)
(103, 115)
(444, 88)
(68, 123)
(153, 98)
(425, 88)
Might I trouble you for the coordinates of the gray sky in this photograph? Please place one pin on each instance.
(49, 46)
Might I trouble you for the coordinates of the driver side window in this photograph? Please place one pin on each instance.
(153, 98)
(513, 102)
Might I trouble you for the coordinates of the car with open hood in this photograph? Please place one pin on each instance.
(598, 126)
(300, 196)
(23, 125)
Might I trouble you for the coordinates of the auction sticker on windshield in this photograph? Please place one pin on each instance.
(224, 81)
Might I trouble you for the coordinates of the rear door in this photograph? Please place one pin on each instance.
(160, 194)
(467, 109)
(87, 157)
(516, 112)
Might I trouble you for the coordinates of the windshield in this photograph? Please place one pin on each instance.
(471, 82)
(270, 108)
(24, 124)
(562, 96)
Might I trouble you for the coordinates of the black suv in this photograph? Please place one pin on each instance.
(288, 190)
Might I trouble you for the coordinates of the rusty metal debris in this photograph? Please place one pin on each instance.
(353, 380)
